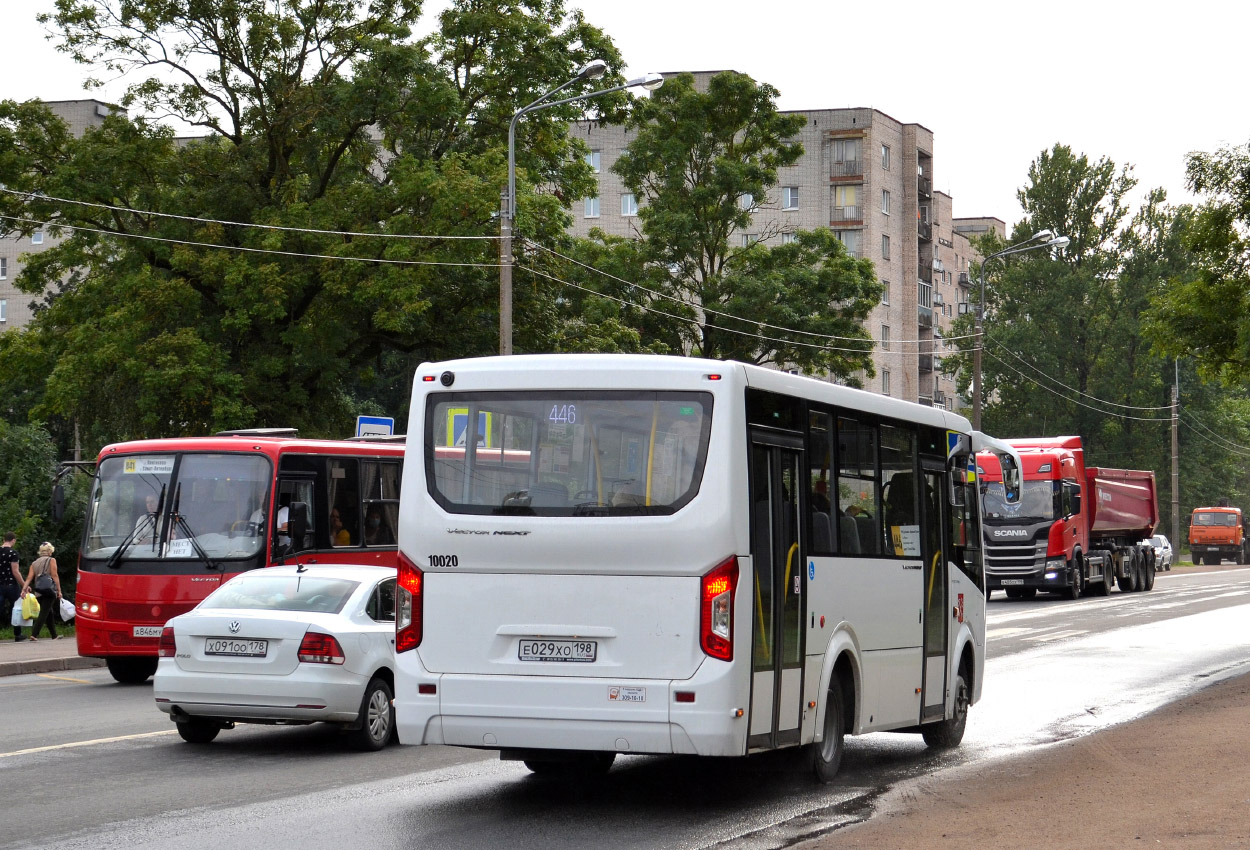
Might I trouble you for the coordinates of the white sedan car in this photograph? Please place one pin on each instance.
(1163, 552)
(285, 645)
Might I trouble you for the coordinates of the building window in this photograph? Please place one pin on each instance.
(846, 158)
(885, 337)
(885, 382)
(852, 239)
(4, 309)
(846, 203)
(787, 238)
(885, 246)
(749, 239)
(36, 238)
(629, 204)
(885, 201)
(4, 268)
(885, 157)
(789, 197)
(746, 201)
(593, 160)
(885, 292)
(592, 208)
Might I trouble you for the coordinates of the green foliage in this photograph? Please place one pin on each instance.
(1066, 351)
(701, 163)
(1205, 313)
(331, 136)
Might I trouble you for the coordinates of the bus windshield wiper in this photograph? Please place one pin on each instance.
(114, 560)
(180, 523)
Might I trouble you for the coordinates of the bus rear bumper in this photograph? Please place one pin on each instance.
(573, 713)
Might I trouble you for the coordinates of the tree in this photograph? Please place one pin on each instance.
(331, 138)
(701, 164)
(1205, 314)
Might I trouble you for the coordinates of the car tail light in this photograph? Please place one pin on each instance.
(320, 648)
(411, 583)
(716, 609)
(166, 648)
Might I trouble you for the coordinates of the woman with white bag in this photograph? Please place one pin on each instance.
(46, 584)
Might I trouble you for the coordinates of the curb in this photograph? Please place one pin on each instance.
(48, 665)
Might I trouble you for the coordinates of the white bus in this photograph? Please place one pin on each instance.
(605, 554)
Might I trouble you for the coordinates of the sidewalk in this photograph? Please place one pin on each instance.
(43, 656)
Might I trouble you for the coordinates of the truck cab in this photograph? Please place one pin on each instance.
(1217, 533)
(1030, 545)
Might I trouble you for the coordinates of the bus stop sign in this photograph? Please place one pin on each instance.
(374, 426)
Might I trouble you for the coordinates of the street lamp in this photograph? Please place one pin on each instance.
(1041, 239)
(590, 71)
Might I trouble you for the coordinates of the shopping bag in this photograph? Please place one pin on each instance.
(67, 609)
(17, 618)
(30, 607)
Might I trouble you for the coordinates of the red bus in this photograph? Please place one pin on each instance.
(169, 520)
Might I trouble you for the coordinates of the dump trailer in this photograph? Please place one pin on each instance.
(1075, 529)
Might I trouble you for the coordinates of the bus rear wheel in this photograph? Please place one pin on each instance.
(827, 754)
(131, 671)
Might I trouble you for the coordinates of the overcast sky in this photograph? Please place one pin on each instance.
(1142, 84)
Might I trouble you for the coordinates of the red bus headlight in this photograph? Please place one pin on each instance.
(716, 609)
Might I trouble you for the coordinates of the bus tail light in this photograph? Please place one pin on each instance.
(166, 648)
(320, 648)
(716, 609)
(408, 600)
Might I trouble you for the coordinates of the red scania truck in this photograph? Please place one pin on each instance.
(1075, 529)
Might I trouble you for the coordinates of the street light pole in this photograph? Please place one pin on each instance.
(507, 213)
(1041, 239)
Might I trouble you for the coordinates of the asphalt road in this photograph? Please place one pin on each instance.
(94, 764)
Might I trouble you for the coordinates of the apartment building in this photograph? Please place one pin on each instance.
(16, 306)
(869, 178)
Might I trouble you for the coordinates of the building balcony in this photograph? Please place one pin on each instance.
(924, 316)
(847, 168)
(964, 280)
(939, 398)
(853, 213)
(925, 272)
(926, 364)
(924, 186)
(925, 230)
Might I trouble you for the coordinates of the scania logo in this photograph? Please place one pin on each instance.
(234, 627)
(1011, 532)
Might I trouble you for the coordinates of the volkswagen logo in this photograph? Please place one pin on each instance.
(234, 627)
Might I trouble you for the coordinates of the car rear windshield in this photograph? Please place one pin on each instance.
(264, 592)
(566, 453)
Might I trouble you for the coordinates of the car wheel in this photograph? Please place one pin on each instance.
(197, 730)
(950, 732)
(377, 718)
(131, 671)
(826, 756)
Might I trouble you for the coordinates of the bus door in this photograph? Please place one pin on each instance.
(779, 585)
(934, 547)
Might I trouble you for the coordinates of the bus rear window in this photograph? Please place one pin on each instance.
(566, 453)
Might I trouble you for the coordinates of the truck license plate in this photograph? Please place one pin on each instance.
(1012, 582)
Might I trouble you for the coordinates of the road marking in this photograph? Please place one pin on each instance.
(75, 744)
(1059, 635)
(1004, 632)
(65, 679)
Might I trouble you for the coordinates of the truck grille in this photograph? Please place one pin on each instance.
(1010, 559)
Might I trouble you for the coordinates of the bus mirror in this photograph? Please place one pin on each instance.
(1011, 478)
(298, 525)
(58, 503)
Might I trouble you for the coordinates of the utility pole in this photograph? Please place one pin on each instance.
(1176, 461)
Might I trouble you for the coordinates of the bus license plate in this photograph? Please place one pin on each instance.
(558, 650)
(1007, 582)
(236, 647)
(147, 631)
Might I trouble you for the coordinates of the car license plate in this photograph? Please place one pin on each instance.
(236, 647)
(558, 650)
(1012, 582)
(147, 631)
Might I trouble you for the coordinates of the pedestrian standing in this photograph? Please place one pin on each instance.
(43, 580)
(10, 578)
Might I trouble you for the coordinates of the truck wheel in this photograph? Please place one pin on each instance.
(1149, 578)
(1013, 592)
(1028, 593)
(1103, 588)
(1128, 581)
(1077, 587)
